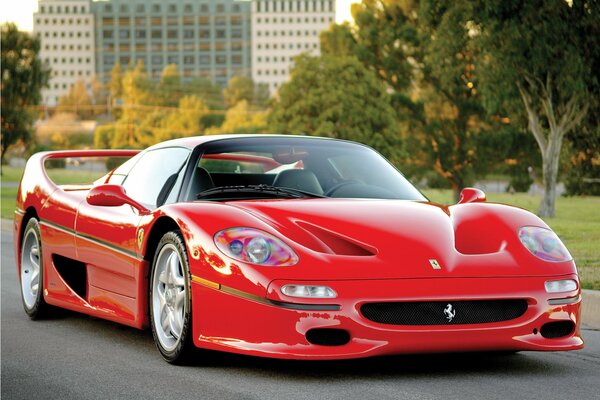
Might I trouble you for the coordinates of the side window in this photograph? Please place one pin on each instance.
(119, 174)
(154, 175)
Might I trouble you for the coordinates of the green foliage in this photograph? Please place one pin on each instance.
(169, 87)
(23, 77)
(238, 88)
(240, 119)
(208, 92)
(539, 62)
(337, 97)
(424, 53)
(77, 100)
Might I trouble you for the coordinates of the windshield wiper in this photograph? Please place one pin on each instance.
(258, 189)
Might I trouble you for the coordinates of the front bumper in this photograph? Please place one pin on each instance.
(273, 326)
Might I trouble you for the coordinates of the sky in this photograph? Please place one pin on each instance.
(22, 12)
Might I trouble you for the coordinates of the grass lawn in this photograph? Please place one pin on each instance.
(577, 220)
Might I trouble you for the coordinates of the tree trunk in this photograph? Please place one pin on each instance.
(550, 159)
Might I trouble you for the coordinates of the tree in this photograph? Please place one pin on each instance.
(424, 54)
(77, 101)
(186, 120)
(336, 97)
(23, 77)
(240, 119)
(209, 93)
(169, 87)
(238, 88)
(535, 59)
(116, 89)
(137, 93)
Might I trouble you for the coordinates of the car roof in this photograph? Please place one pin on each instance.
(193, 141)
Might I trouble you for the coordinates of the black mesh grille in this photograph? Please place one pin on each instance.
(444, 312)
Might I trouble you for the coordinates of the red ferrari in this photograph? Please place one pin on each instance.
(290, 247)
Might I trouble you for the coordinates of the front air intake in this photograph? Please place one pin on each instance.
(444, 312)
(557, 329)
(328, 337)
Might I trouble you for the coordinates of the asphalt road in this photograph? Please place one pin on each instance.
(73, 356)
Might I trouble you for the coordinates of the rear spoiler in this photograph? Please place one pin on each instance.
(36, 169)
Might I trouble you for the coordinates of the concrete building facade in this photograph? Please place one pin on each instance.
(217, 39)
(66, 30)
(281, 30)
(209, 38)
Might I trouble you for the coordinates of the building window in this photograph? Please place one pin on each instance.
(173, 60)
(204, 8)
(220, 21)
(188, 8)
(106, 34)
(221, 34)
(235, 20)
(221, 59)
(188, 20)
(236, 59)
(156, 8)
(109, 60)
(188, 33)
(172, 8)
(156, 34)
(140, 8)
(124, 34)
(124, 8)
(140, 34)
(204, 60)
(156, 59)
(220, 8)
(236, 33)
(107, 8)
(204, 33)
(172, 34)
(204, 20)
(188, 60)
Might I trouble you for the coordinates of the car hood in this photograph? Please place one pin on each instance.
(388, 239)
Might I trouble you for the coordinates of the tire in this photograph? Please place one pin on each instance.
(31, 273)
(170, 302)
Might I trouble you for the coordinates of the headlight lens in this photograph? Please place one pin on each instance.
(254, 246)
(544, 244)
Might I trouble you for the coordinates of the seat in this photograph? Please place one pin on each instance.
(299, 179)
(201, 180)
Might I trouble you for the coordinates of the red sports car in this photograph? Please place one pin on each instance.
(290, 247)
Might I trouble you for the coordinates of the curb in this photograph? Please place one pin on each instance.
(590, 308)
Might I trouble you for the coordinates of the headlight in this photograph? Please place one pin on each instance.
(308, 291)
(255, 247)
(544, 244)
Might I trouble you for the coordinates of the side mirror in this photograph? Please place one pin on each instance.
(471, 195)
(110, 195)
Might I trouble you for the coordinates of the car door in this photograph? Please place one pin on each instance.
(107, 237)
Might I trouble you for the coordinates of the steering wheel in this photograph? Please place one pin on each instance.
(337, 186)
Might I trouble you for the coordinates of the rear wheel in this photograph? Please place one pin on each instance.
(170, 299)
(32, 271)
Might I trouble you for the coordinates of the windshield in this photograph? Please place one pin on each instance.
(255, 167)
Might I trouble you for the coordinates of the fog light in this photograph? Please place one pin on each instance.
(567, 285)
(308, 291)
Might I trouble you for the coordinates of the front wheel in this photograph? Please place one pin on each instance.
(170, 299)
(32, 271)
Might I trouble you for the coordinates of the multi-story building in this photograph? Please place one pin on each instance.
(282, 29)
(66, 30)
(208, 38)
(217, 39)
